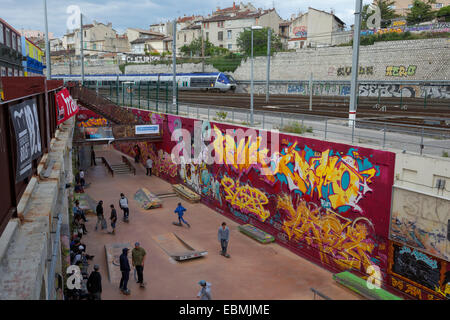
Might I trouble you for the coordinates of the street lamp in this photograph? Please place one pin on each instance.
(251, 76)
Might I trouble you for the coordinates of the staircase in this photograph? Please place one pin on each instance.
(121, 169)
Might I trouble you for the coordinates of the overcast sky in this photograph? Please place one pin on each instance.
(29, 14)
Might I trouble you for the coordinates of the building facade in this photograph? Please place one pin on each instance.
(36, 34)
(402, 6)
(223, 28)
(10, 51)
(34, 65)
(314, 28)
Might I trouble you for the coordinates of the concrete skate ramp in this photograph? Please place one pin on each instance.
(147, 200)
(186, 193)
(176, 248)
(113, 252)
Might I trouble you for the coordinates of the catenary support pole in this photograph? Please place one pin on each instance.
(269, 36)
(355, 64)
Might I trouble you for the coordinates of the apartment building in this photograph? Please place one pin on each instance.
(10, 51)
(98, 39)
(223, 28)
(315, 28)
(402, 6)
(143, 41)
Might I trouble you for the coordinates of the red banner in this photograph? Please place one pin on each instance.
(66, 107)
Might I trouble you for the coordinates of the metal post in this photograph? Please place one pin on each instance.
(353, 129)
(148, 95)
(384, 135)
(81, 49)
(264, 119)
(139, 93)
(157, 95)
(310, 91)
(269, 36)
(208, 113)
(174, 62)
(167, 96)
(355, 63)
(47, 44)
(326, 127)
(251, 86)
(203, 53)
(421, 142)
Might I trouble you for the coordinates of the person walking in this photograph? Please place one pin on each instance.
(100, 216)
(205, 291)
(94, 284)
(224, 237)
(138, 258)
(93, 162)
(149, 166)
(180, 211)
(113, 219)
(125, 269)
(123, 204)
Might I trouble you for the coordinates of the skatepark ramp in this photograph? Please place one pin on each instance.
(176, 248)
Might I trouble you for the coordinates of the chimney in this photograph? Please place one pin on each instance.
(234, 5)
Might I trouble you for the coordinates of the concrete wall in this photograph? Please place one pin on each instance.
(101, 69)
(26, 246)
(395, 60)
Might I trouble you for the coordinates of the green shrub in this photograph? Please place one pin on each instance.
(295, 127)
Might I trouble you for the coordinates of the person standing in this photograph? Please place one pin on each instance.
(224, 237)
(180, 211)
(100, 216)
(113, 219)
(93, 163)
(94, 284)
(82, 181)
(149, 167)
(205, 291)
(123, 204)
(138, 258)
(125, 269)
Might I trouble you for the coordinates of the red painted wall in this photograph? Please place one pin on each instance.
(334, 212)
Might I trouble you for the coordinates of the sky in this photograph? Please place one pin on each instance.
(29, 14)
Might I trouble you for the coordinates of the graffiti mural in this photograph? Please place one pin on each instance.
(418, 274)
(400, 71)
(420, 221)
(347, 71)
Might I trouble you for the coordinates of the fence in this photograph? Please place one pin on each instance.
(17, 90)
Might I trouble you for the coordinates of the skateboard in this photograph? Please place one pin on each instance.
(126, 220)
(177, 224)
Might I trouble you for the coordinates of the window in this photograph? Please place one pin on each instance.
(220, 35)
(94, 46)
(229, 34)
(439, 5)
(2, 36)
(184, 38)
(2, 71)
(8, 37)
(207, 36)
(230, 46)
(19, 45)
(10, 72)
(220, 24)
(410, 6)
(16, 73)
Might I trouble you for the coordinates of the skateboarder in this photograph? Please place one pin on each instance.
(224, 237)
(113, 219)
(180, 211)
(138, 257)
(205, 291)
(149, 167)
(125, 269)
(123, 204)
(100, 216)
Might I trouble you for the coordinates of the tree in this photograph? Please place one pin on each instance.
(420, 12)
(444, 14)
(195, 48)
(387, 13)
(259, 42)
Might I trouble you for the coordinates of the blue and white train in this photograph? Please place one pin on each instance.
(186, 81)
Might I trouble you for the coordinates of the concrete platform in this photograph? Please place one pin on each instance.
(255, 270)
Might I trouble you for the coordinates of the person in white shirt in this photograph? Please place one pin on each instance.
(123, 204)
(82, 181)
(149, 167)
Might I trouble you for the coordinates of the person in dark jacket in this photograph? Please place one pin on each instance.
(125, 269)
(224, 237)
(93, 162)
(100, 216)
(94, 284)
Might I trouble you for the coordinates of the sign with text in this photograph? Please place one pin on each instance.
(28, 137)
(66, 107)
(147, 129)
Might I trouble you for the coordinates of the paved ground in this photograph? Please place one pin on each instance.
(255, 271)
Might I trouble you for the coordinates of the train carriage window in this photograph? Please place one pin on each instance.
(203, 82)
(2, 72)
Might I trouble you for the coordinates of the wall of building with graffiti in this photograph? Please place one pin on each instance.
(327, 202)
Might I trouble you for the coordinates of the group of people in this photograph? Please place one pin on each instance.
(137, 260)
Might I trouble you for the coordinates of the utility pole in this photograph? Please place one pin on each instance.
(174, 58)
(310, 91)
(47, 44)
(355, 65)
(251, 84)
(269, 36)
(203, 53)
(81, 49)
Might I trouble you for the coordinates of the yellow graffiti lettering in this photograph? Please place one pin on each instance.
(397, 283)
(413, 291)
(245, 198)
(100, 122)
(337, 238)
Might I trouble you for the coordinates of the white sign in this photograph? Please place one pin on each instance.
(148, 129)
